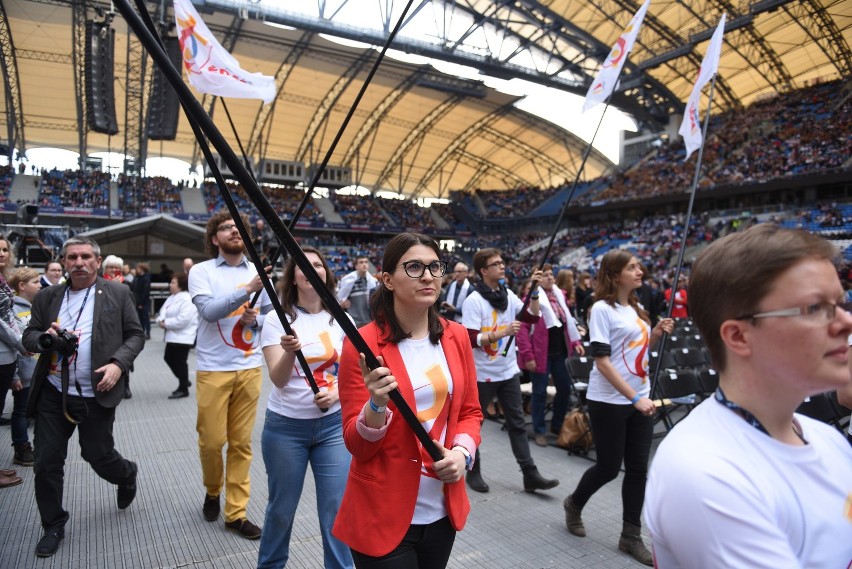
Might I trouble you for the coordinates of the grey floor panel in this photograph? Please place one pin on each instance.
(164, 528)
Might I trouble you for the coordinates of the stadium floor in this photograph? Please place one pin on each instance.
(507, 527)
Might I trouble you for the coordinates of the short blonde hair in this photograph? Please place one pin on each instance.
(20, 276)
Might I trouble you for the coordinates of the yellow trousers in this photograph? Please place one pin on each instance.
(227, 406)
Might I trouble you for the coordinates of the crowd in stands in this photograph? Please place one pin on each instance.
(359, 210)
(408, 214)
(151, 195)
(515, 202)
(285, 200)
(7, 175)
(801, 132)
(73, 188)
(448, 213)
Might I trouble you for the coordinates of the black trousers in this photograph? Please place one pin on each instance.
(52, 431)
(620, 433)
(423, 547)
(509, 395)
(175, 357)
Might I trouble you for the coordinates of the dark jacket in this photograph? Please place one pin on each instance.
(142, 289)
(117, 336)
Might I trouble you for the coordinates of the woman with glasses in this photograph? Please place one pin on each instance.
(402, 509)
(301, 426)
(620, 409)
(744, 480)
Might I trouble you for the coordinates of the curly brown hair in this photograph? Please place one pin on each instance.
(212, 227)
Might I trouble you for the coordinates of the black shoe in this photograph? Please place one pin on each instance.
(179, 394)
(476, 483)
(211, 508)
(24, 454)
(534, 481)
(245, 528)
(127, 491)
(49, 542)
(127, 393)
(4, 421)
(147, 336)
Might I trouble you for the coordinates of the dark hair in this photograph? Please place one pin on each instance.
(733, 274)
(289, 294)
(182, 280)
(212, 228)
(612, 264)
(480, 259)
(382, 302)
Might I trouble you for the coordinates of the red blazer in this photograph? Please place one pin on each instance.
(384, 476)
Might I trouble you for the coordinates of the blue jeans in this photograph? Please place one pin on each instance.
(562, 381)
(287, 445)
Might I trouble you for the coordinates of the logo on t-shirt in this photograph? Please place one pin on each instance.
(242, 338)
(434, 417)
(325, 374)
(493, 349)
(636, 350)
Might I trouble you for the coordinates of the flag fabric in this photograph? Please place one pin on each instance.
(690, 128)
(210, 68)
(607, 76)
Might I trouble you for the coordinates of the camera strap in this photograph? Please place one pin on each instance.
(64, 372)
(65, 381)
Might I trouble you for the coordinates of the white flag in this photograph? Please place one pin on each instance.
(211, 69)
(690, 128)
(607, 76)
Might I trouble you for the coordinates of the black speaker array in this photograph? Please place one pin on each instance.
(164, 105)
(100, 94)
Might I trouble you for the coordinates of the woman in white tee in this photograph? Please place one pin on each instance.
(620, 410)
(302, 426)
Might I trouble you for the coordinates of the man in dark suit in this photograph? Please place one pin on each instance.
(102, 314)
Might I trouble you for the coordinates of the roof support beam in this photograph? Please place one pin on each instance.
(14, 106)
(821, 27)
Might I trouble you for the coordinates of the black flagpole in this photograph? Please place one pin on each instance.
(235, 214)
(679, 266)
(194, 110)
(560, 219)
(330, 151)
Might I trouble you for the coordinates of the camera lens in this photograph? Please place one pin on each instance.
(45, 342)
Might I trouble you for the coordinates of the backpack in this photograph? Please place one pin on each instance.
(576, 433)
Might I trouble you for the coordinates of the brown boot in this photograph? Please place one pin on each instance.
(573, 519)
(631, 542)
(6, 481)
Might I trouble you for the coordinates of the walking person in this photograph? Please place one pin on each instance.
(401, 510)
(543, 352)
(492, 314)
(228, 380)
(301, 427)
(178, 317)
(621, 412)
(142, 290)
(102, 316)
(25, 283)
(10, 340)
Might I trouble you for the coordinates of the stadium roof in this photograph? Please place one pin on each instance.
(419, 131)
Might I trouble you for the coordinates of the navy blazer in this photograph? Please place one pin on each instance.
(117, 335)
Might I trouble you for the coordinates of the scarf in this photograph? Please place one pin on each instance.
(498, 299)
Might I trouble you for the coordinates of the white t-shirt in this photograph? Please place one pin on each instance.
(627, 336)
(430, 378)
(322, 343)
(478, 314)
(721, 493)
(225, 344)
(79, 365)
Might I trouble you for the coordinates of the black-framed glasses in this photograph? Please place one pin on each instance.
(226, 227)
(828, 310)
(415, 269)
(500, 263)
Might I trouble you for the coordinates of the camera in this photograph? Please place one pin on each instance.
(64, 343)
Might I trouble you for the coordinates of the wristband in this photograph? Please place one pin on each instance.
(633, 401)
(376, 408)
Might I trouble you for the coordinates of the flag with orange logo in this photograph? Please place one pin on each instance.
(690, 128)
(210, 68)
(607, 76)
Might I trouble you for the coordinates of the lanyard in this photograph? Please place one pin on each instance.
(749, 417)
(82, 306)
